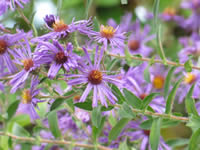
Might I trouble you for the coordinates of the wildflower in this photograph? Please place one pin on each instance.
(96, 80)
(57, 56)
(138, 39)
(109, 35)
(12, 4)
(192, 22)
(7, 41)
(29, 100)
(24, 57)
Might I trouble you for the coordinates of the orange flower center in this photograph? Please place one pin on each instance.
(107, 31)
(158, 82)
(134, 45)
(26, 97)
(189, 78)
(77, 97)
(3, 47)
(60, 58)
(59, 26)
(28, 64)
(169, 11)
(95, 77)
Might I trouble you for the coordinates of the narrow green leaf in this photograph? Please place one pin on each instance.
(126, 112)
(190, 106)
(194, 122)
(147, 75)
(57, 103)
(194, 140)
(177, 142)
(96, 116)
(155, 133)
(188, 65)
(19, 130)
(53, 124)
(96, 24)
(12, 109)
(155, 12)
(118, 94)
(168, 80)
(97, 131)
(116, 130)
(147, 100)
(86, 105)
(132, 100)
(171, 97)
(130, 61)
(146, 124)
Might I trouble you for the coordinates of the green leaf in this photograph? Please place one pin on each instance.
(130, 61)
(19, 130)
(147, 75)
(86, 105)
(126, 112)
(132, 100)
(194, 122)
(146, 124)
(194, 140)
(155, 133)
(188, 65)
(97, 131)
(112, 64)
(96, 116)
(57, 103)
(171, 97)
(96, 24)
(155, 12)
(116, 130)
(53, 124)
(166, 123)
(118, 94)
(177, 142)
(168, 80)
(12, 109)
(147, 100)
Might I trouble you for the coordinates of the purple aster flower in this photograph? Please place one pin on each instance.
(189, 79)
(109, 35)
(82, 115)
(59, 29)
(192, 22)
(57, 56)
(141, 134)
(142, 89)
(6, 43)
(138, 39)
(29, 100)
(96, 80)
(1, 86)
(191, 46)
(5, 4)
(170, 14)
(24, 57)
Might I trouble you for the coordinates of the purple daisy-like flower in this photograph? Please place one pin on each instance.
(5, 4)
(170, 14)
(57, 56)
(138, 39)
(24, 57)
(192, 22)
(189, 79)
(29, 100)
(82, 115)
(109, 35)
(59, 29)
(191, 46)
(143, 135)
(6, 43)
(96, 80)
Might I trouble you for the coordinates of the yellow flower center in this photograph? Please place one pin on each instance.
(169, 11)
(107, 31)
(158, 82)
(28, 64)
(59, 26)
(3, 47)
(95, 77)
(189, 78)
(26, 97)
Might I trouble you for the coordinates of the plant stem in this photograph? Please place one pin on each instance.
(61, 142)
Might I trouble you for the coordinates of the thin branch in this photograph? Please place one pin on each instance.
(60, 142)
